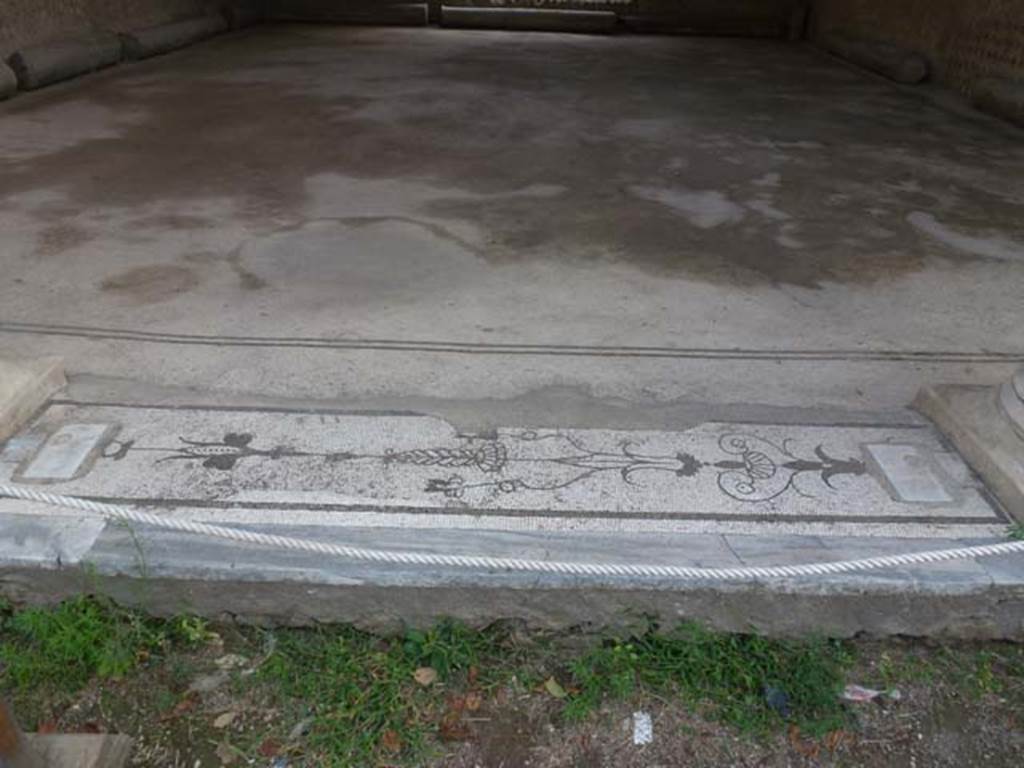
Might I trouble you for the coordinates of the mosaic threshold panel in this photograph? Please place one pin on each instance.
(406, 470)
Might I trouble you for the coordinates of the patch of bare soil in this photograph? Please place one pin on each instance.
(943, 716)
(923, 730)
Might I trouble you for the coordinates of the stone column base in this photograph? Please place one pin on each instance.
(24, 386)
(1011, 401)
(986, 424)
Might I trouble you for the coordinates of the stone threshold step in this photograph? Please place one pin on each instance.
(713, 487)
(168, 573)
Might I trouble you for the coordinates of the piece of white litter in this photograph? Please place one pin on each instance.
(858, 694)
(643, 729)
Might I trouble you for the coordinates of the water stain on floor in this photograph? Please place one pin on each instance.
(58, 238)
(255, 118)
(152, 284)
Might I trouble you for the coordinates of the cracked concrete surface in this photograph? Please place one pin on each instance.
(486, 214)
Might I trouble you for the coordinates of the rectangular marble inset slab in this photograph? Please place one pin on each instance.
(911, 474)
(65, 452)
(27, 538)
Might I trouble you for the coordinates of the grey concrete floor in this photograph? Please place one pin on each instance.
(330, 212)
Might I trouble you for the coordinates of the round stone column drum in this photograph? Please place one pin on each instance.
(1011, 400)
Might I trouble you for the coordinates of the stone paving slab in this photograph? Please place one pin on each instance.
(81, 750)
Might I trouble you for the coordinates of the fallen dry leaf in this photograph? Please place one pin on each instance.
(49, 726)
(452, 728)
(425, 675)
(209, 683)
(806, 748)
(270, 748)
(474, 673)
(473, 701)
(835, 739)
(185, 705)
(390, 741)
(300, 729)
(224, 720)
(226, 753)
(552, 687)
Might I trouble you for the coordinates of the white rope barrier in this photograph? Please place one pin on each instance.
(482, 562)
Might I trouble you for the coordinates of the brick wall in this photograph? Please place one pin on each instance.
(966, 40)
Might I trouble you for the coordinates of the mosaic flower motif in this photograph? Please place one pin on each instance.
(225, 454)
(765, 470)
(453, 487)
(689, 465)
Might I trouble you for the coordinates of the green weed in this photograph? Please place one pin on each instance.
(362, 690)
(66, 646)
(48, 654)
(192, 630)
(728, 675)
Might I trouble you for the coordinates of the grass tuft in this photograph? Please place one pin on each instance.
(64, 647)
(727, 674)
(367, 706)
(361, 688)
